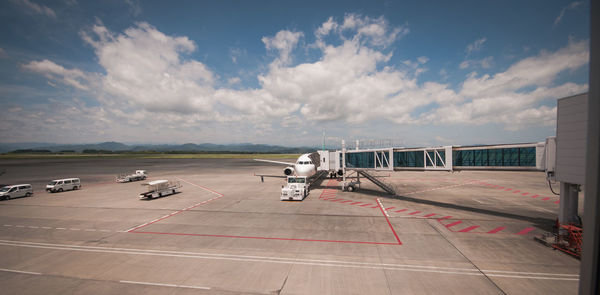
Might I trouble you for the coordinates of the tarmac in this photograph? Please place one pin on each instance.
(227, 233)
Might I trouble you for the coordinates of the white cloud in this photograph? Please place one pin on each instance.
(235, 53)
(284, 42)
(135, 8)
(475, 46)
(234, 80)
(144, 69)
(372, 31)
(485, 63)
(3, 53)
(53, 71)
(147, 75)
(571, 6)
(37, 8)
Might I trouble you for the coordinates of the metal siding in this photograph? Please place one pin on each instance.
(571, 139)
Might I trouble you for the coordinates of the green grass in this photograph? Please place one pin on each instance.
(148, 156)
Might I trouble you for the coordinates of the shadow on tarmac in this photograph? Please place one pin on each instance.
(541, 223)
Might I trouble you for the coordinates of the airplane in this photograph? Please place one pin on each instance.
(306, 165)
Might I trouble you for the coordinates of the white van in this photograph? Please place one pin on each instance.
(60, 185)
(15, 191)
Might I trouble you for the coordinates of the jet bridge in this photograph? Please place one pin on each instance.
(520, 157)
(508, 157)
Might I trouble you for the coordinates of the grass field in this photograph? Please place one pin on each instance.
(148, 156)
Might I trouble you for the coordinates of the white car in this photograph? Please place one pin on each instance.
(60, 185)
(16, 191)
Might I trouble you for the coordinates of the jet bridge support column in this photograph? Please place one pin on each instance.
(569, 198)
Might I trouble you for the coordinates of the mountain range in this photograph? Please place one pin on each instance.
(188, 147)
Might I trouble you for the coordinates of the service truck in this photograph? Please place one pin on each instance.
(138, 175)
(295, 189)
(160, 188)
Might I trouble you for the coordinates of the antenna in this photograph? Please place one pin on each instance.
(323, 144)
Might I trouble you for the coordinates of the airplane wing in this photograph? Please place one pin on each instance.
(274, 176)
(276, 162)
(262, 176)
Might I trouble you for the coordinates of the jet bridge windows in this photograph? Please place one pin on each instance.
(498, 157)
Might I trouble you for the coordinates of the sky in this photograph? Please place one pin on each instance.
(416, 73)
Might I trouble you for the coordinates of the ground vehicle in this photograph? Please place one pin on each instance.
(15, 191)
(138, 175)
(160, 188)
(296, 188)
(59, 185)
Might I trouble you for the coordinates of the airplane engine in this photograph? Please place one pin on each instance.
(288, 171)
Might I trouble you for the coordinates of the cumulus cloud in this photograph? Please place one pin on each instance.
(53, 71)
(571, 6)
(515, 97)
(144, 68)
(284, 42)
(148, 74)
(35, 8)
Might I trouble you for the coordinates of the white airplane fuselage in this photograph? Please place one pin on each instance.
(304, 166)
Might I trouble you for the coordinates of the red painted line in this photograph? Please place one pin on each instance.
(453, 223)
(557, 202)
(366, 205)
(263, 238)
(429, 215)
(496, 230)
(413, 213)
(508, 189)
(445, 217)
(389, 223)
(346, 201)
(390, 208)
(468, 229)
(514, 192)
(535, 196)
(546, 199)
(376, 206)
(401, 210)
(525, 194)
(525, 231)
(355, 203)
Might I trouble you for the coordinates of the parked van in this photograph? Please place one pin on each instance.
(15, 191)
(60, 185)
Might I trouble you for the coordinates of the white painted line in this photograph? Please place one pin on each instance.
(382, 207)
(298, 261)
(7, 225)
(164, 285)
(20, 271)
(60, 228)
(46, 227)
(104, 230)
(32, 226)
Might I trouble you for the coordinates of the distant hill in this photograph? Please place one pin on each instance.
(188, 147)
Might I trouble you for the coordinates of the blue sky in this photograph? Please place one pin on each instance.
(282, 72)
